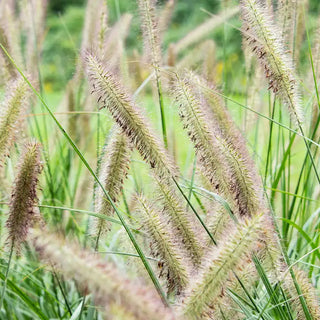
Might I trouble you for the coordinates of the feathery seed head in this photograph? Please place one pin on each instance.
(103, 26)
(128, 116)
(93, 33)
(228, 255)
(183, 225)
(7, 71)
(111, 288)
(221, 162)
(216, 108)
(248, 275)
(291, 20)
(221, 151)
(23, 213)
(242, 186)
(217, 221)
(245, 182)
(11, 111)
(94, 24)
(195, 122)
(113, 172)
(285, 17)
(269, 252)
(163, 246)
(308, 291)
(263, 36)
(33, 18)
(10, 25)
(150, 31)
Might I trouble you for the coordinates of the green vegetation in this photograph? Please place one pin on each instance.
(159, 160)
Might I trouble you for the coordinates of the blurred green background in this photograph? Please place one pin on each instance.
(65, 22)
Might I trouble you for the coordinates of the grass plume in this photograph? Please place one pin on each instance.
(12, 109)
(213, 276)
(223, 165)
(10, 25)
(246, 183)
(205, 142)
(153, 49)
(113, 172)
(23, 212)
(111, 288)
(112, 95)
(308, 292)
(150, 32)
(173, 264)
(263, 37)
(182, 224)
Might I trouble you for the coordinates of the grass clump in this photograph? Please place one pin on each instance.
(199, 211)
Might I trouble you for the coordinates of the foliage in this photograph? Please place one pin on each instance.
(158, 162)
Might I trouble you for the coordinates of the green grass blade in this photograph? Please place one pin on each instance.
(24, 297)
(271, 291)
(304, 235)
